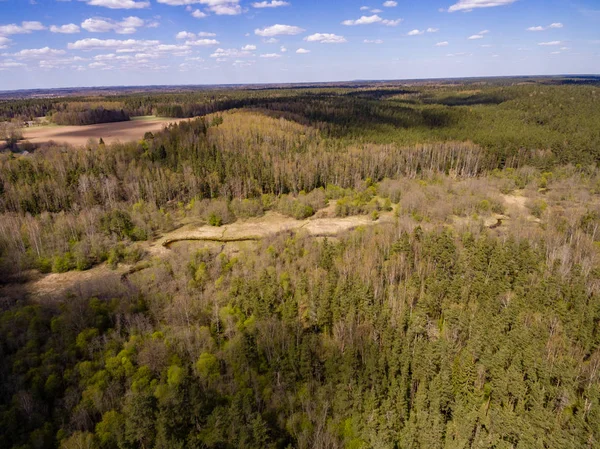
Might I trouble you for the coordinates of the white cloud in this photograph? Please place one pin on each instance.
(10, 65)
(326, 38)
(486, 46)
(38, 53)
(390, 4)
(392, 23)
(278, 30)
(223, 53)
(551, 43)
(364, 8)
(230, 9)
(475, 36)
(178, 2)
(128, 25)
(302, 51)
(202, 42)
(270, 40)
(197, 14)
(271, 4)
(127, 45)
(373, 41)
(432, 30)
(282, 49)
(55, 63)
(25, 28)
(364, 20)
(185, 35)
(376, 11)
(206, 34)
(4, 41)
(442, 44)
(415, 33)
(119, 4)
(249, 48)
(271, 55)
(469, 5)
(97, 65)
(69, 28)
(106, 57)
(541, 28)
(218, 7)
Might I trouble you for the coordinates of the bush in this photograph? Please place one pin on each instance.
(247, 208)
(217, 212)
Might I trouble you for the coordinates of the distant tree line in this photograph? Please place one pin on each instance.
(89, 117)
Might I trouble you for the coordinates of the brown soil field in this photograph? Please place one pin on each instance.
(109, 132)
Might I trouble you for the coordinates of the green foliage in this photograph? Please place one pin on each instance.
(399, 334)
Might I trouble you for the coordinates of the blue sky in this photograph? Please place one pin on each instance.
(69, 43)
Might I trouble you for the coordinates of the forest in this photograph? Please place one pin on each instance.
(378, 266)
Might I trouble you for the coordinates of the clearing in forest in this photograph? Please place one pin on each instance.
(109, 132)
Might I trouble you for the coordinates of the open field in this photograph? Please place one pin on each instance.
(109, 132)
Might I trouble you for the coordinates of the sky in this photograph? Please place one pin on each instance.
(75, 43)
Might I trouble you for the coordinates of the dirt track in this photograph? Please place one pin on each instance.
(257, 228)
(109, 132)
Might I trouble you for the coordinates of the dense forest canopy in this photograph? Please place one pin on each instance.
(158, 293)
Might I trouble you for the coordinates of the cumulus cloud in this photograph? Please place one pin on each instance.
(373, 41)
(229, 9)
(11, 65)
(119, 45)
(119, 4)
(469, 5)
(551, 43)
(202, 42)
(415, 33)
(271, 55)
(69, 28)
(479, 35)
(391, 23)
(218, 7)
(326, 38)
(271, 4)
(542, 28)
(442, 44)
(34, 53)
(278, 30)
(364, 8)
(432, 30)
(364, 20)
(390, 4)
(282, 49)
(185, 35)
(4, 41)
(249, 48)
(302, 51)
(224, 53)
(128, 25)
(25, 28)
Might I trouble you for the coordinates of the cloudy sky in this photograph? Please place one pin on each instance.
(67, 43)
